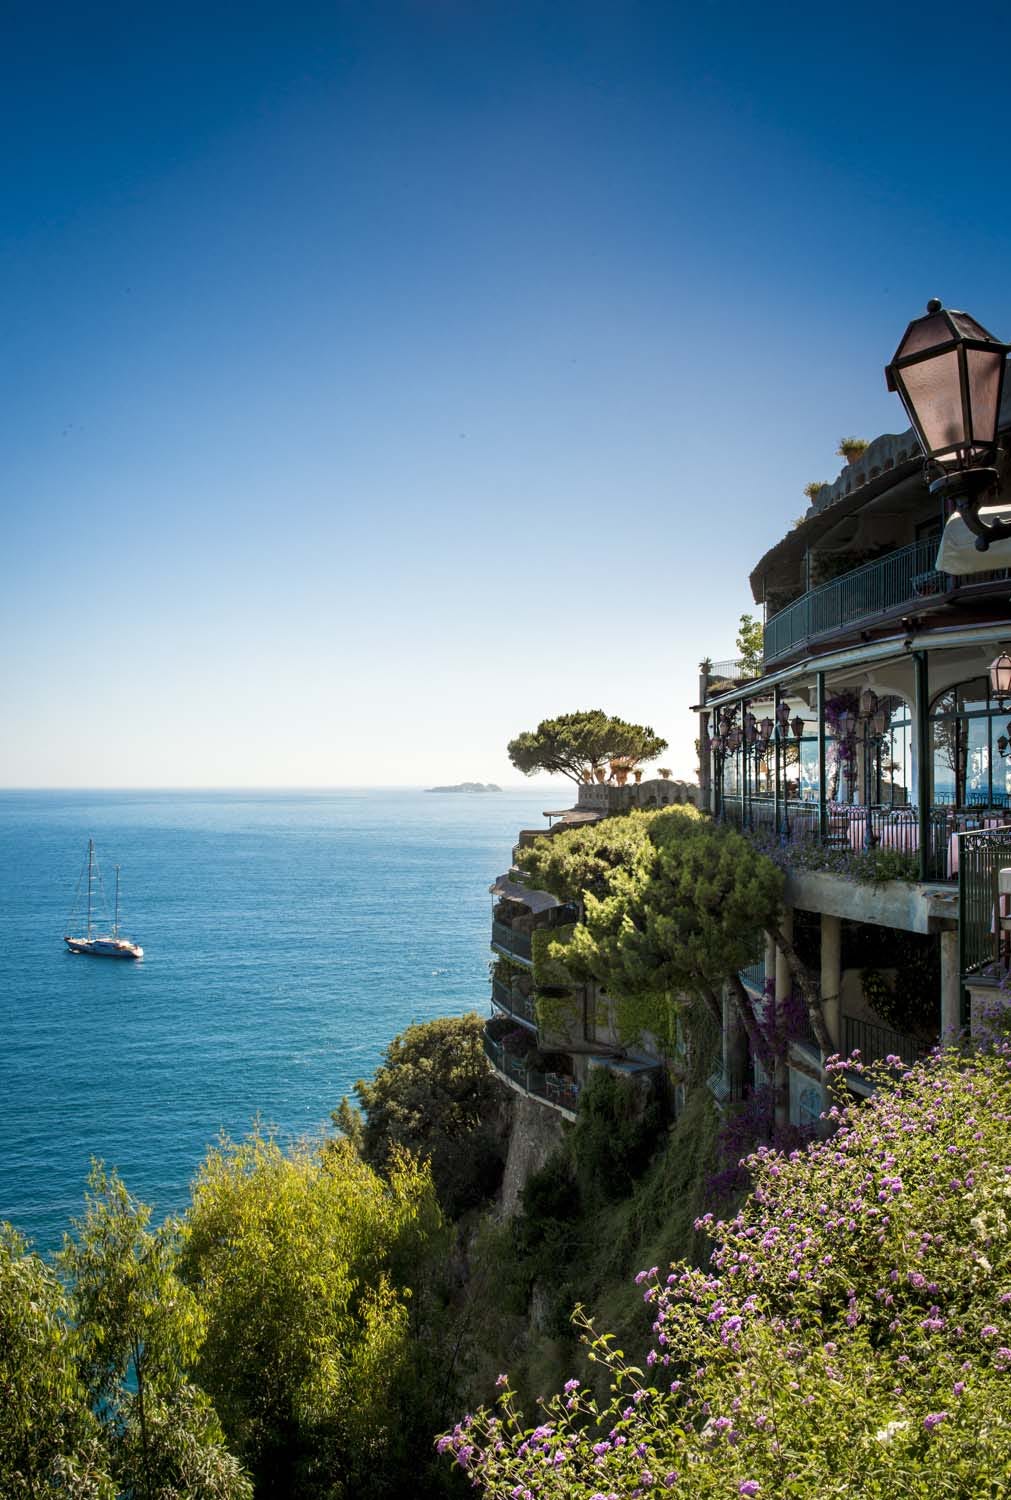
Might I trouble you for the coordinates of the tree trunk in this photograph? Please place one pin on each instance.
(142, 1416)
(756, 1038)
(712, 1003)
(810, 989)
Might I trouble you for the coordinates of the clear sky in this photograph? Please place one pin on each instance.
(378, 378)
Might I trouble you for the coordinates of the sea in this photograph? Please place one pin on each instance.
(287, 936)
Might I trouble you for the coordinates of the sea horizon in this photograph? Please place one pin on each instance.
(288, 935)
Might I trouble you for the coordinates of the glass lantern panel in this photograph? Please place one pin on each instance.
(934, 393)
(984, 371)
(967, 326)
(923, 334)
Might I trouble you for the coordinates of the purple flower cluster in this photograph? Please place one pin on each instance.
(856, 1313)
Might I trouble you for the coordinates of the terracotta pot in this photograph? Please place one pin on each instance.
(600, 773)
(854, 458)
(638, 777)
(621, 777)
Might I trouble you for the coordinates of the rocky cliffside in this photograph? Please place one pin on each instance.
(536, 1132)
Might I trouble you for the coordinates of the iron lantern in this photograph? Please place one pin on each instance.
(868, 703)
(949, 373)
(1000, 676)
(797, 725)
(783, 714)
(765, 731)
(846, 724)
(879, 723)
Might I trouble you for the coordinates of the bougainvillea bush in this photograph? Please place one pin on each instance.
(852, 1336)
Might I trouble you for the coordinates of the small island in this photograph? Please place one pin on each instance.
(467, 786)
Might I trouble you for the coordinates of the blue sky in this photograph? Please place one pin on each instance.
(378, 379)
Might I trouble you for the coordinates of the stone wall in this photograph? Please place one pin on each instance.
(603, 797)
(537, 1131)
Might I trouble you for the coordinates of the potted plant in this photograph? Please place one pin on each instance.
(852, 449)
(599, 772)
(638, 776)
(664, 772)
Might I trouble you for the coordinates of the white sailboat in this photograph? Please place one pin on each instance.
(109, 945)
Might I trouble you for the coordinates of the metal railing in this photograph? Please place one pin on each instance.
(754, 976)
(731, 671)
(876, 588)
(517, 944)
(874, 1043)
(851, 828)
(557, 1089)
(510, 1000)
(728, 1088)
(981, 907)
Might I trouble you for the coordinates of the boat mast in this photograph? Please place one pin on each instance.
(91, 861)
(115, 925)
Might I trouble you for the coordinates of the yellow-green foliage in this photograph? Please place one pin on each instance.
(582, 860)
(138, 1331)
(301, 1261)
(50, 1441)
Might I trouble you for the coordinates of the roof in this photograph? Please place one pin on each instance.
(891, 460)
(537, 901)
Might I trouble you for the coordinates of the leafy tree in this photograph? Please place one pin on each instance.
(684, 920)
(436, 1097)
(302, 1263)
(572, 744)
(50, 1441)
(139, 1331)
(749, 644)
(581, 860)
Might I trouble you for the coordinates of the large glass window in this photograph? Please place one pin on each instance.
(967, 765)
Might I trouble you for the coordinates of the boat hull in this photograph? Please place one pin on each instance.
(104, 947)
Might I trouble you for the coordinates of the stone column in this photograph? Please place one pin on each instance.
(951, 987)
(831, 976)
(784, 984)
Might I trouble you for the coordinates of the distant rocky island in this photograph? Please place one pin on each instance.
(468, 786)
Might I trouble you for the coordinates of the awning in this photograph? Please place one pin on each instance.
(958, 553)
(536, 900)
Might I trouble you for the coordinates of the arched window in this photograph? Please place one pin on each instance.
(968, 768)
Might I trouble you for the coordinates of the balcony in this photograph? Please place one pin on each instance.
(852, 830)
(869, 593)
(521, 1007)
(559, 1090)
(875, 1042)
(512, 943)
(984, 905)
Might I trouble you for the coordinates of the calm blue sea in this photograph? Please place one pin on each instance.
(287, 938)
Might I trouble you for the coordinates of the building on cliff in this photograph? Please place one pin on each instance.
(870, 753)
(547, 1033)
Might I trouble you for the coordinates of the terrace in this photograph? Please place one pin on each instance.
(549, 1085)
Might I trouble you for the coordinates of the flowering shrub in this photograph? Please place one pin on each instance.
(852, 1336)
